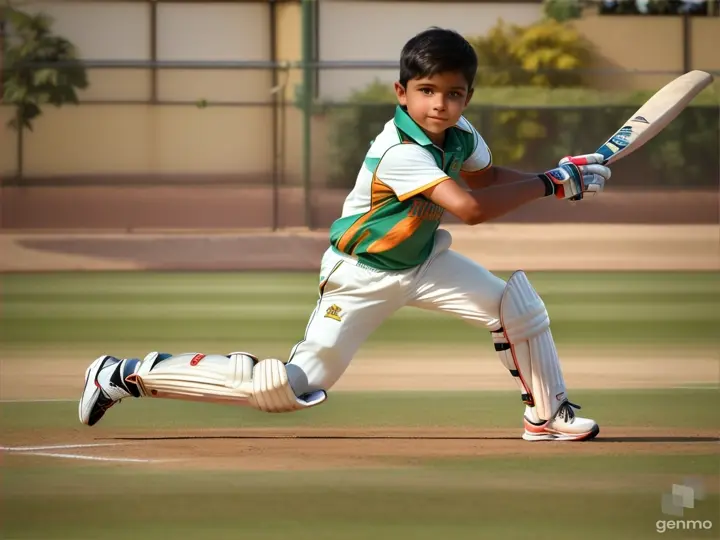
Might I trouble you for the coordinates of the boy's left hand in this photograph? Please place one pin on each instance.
(593, 171)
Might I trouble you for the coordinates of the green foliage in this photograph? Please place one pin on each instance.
(531, 128)
(28, 87)
(546, 54)
(563, 10)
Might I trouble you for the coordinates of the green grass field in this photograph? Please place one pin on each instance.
(418, 465)
(224, 310)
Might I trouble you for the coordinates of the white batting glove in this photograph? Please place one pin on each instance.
(594, 173)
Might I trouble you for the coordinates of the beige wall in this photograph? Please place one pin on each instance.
(137, 139)
(8, 149)
(653, 44)
(705, 44)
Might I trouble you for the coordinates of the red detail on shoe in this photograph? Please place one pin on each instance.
(153, 392)
(98, 384)
(132, 378)
(196, 359)
(533, 428)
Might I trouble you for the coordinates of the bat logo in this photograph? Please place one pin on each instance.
(622, 138)
(640, 119)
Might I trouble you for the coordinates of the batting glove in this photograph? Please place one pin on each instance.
(593, 171)
(565, 181)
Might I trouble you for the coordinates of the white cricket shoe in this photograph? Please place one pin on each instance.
(564, 426)
(105, 385)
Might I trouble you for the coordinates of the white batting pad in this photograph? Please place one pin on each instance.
(526, 326)
(197, 377)
(237, 378)
(272, 391)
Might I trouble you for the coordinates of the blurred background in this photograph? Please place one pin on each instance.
(256, 114)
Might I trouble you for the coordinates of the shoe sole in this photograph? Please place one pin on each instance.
(90, 378)
(587, 436)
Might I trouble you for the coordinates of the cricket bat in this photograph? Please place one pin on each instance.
(655, 114)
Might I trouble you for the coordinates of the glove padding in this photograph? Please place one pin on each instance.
(593, 171)
(577, 175)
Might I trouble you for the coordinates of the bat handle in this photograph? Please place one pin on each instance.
(577, 161)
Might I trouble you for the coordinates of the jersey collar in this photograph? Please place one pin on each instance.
(407, 125)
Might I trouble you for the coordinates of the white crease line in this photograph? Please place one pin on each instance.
(55, 447)
(93, 458)
(36, 400)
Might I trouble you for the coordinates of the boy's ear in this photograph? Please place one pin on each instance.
(401, 94)
(469, 96)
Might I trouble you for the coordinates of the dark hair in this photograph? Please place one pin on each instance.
(437, 50)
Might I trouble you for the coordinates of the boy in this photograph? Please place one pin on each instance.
(387, 252)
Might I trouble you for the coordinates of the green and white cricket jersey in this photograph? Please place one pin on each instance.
(386, 223)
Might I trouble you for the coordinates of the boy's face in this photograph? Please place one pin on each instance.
(435, 103)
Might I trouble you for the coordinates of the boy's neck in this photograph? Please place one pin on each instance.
(438, 139)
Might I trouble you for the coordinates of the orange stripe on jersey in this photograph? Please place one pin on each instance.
(355, 244)
(380, 194)
(402, 230)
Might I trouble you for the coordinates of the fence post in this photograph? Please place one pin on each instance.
(307, 101)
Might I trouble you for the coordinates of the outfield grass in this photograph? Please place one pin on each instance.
(424, 503)
(218, 311)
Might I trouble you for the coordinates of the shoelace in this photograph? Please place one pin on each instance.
(566, 411)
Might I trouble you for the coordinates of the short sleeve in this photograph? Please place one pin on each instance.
(480, 157)
(409, 169)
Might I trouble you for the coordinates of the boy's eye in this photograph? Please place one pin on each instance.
(456, 94)
(426, 91)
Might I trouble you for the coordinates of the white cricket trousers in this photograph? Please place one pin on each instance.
(355, 300)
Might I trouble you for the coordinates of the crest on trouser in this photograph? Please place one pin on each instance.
(334, 313)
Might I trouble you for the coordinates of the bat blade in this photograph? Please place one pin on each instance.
(655, 114)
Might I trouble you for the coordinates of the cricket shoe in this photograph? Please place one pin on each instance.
(564, 426)
(105, 385)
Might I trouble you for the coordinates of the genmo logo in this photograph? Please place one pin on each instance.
(682, 496)
(688, 524)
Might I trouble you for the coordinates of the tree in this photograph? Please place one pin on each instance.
(39, 67)
(563, 10)
(548, 53)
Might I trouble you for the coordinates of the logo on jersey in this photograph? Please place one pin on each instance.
(333, 312)
(640, 119)
(425, 210)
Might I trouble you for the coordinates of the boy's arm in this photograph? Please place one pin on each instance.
(493, 176)
(481, 205)
(515, 189)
